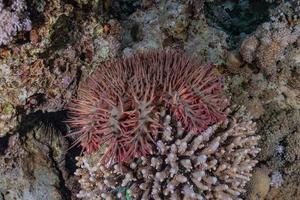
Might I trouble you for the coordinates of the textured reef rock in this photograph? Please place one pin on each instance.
(24, 79)
(13, 19)
(213, 165)
(174, 24)
(32, 167)
(43, 73)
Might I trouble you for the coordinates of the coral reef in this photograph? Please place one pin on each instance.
(177, 25)
(266, 47)
(265, 78)
(49, 48)
(237, 18)
(43, 73)
(21, 67)
(213, 165)
(13, 20)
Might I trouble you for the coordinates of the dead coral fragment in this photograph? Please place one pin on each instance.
(119, 105)
(214, 165)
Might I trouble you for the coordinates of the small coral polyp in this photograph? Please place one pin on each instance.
(118, 107)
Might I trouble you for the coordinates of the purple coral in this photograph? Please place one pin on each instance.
(276, 179)
(119, 106)
(13, 19)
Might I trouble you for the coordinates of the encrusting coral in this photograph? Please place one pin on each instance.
(118, 106)
(213, 165)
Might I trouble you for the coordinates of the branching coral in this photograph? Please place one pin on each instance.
(213, 165)
(118, 107)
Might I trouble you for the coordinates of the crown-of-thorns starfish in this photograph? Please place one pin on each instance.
(118, 107)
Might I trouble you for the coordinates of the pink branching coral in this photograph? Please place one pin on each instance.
(118, 107)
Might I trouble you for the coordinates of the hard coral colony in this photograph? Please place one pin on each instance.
(215, 164)
(161, 121)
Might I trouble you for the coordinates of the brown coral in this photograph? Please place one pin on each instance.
(267, 45)
(248, 48)
(259, 185)
(214, 165)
